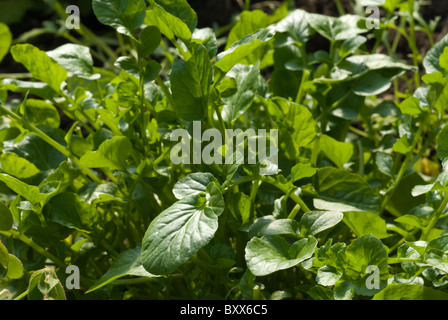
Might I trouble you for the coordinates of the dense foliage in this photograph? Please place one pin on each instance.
(87, 177)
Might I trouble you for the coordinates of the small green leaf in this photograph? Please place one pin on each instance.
(431, 62)
(123, 15)
(410, 106)
(296, 25)
(75, 59)
(269, 225)
(168, 24)
(338, 152)
(269, 254)
(15, 268)
(45, 285)
(363, 223)
(190, 83)
(317, 221)
(402, 145)
(127, 264)
(385, 163)
(17, 166)
(41, 113)
(68, 210)
(41, 66)
(332, 28)
(111, 154)
(5, 40)
(357, 257)
(179, 9)
(301, 170)
(150, 38)
(242, 48)
(193, 184)
(248, 23)
(341, 190)
(31, 193)
(247, 84)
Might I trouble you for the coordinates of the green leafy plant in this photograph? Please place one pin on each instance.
(357, 210)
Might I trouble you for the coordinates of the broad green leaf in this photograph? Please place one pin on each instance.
(5, 40)
(247, 84)
(242, 48)
(314, 222)
(410, 106)
(150, 38)
(411, 220)
(431, 62)
(15, 268)
(64, 175)
(31, 193)
(39, 89)
(402, 145)
(93, 193)
(297, 130)
(17, 166)
(207, 37)
(190, 82)
(41, 113)
(240, 207)
(363, 223)
(330, 27)
(6, 219)
(414, 292)
(75, 58)
(436, 253)
(41, 66)
(357, 257)
(123, 15)
(37, 151)
(111, 154)
(68, 210)
(349, 46)
(180, 9)
(328, 276)
(269, 254)
(248, 23)
(45, 285)
(341, 190)
(127, 264)
(338, 152)
(385, 163)
(177, 233)
(301, 170)
(193, 184)
(168, 24)
(269, 226)
(296, 25)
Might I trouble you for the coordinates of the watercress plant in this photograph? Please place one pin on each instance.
(357, 209)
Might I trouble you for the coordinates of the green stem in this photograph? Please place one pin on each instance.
(51, 142)
(401, 260)
(434, 219)
(285, 189)
(413, 42)
(15, 234)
